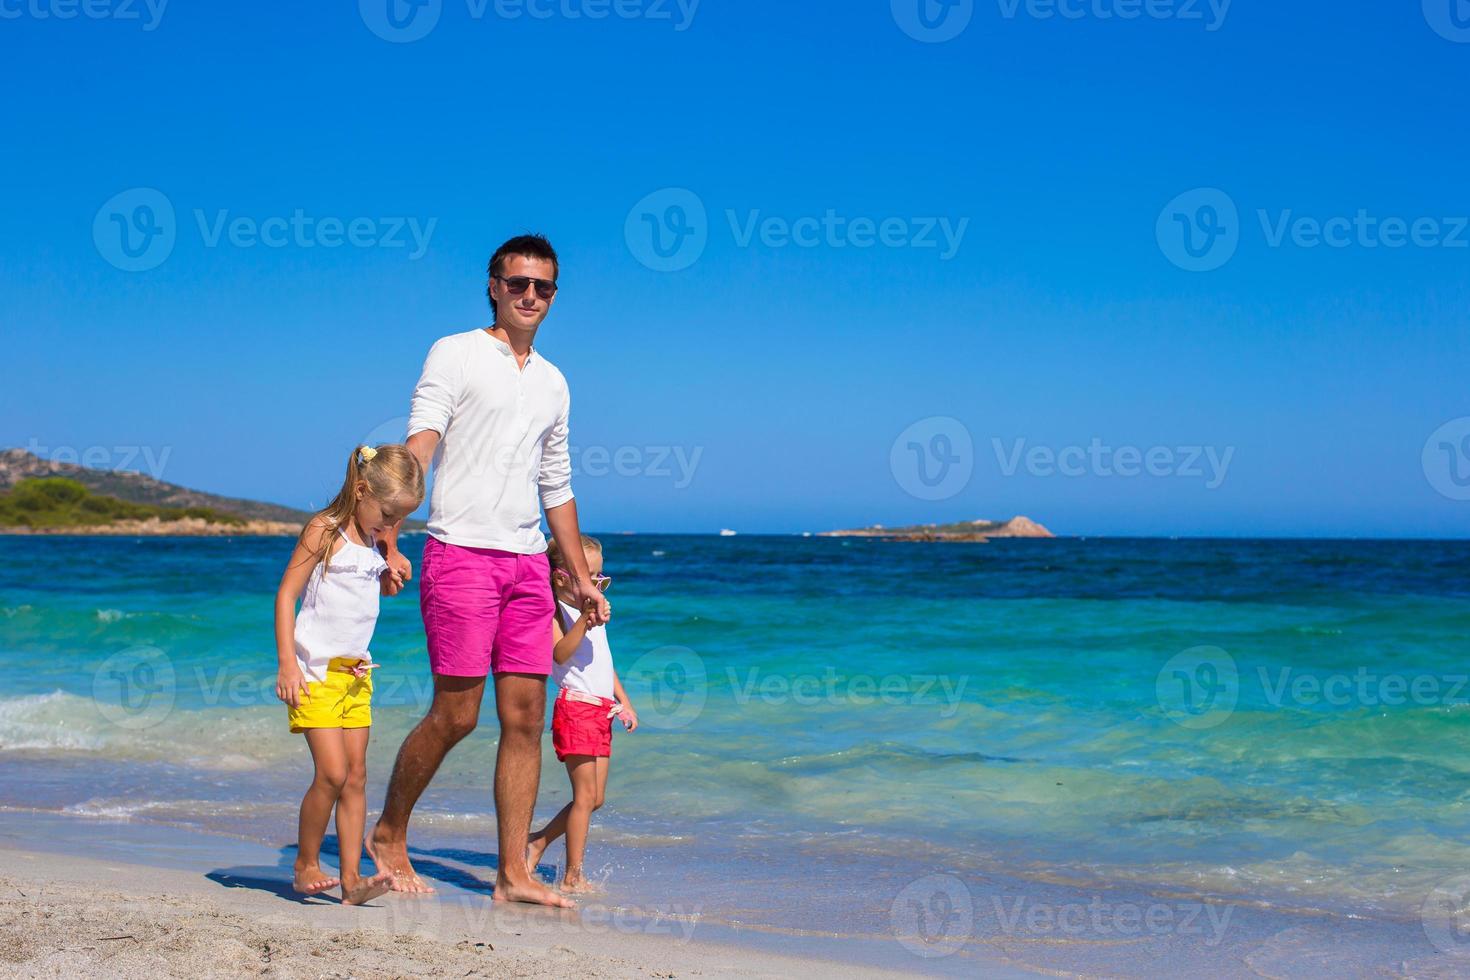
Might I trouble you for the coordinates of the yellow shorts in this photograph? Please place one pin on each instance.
(340, 701)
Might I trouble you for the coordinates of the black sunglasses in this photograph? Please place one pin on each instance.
(545, 288)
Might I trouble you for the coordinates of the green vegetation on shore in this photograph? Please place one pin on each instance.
(56, 502)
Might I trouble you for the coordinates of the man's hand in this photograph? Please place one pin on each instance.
(590, 598)
(400, 570)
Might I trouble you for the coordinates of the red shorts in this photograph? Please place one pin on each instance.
(485, 611)
(581, 728)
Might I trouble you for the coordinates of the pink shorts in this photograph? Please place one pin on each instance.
(579, 728)
(485, 611)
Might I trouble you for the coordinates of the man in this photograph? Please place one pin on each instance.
(491, 413)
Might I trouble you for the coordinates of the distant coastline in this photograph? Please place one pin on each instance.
(970, 531)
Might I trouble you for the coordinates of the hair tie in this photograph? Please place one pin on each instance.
(365, 454)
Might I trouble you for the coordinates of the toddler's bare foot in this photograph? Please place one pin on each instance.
(312, 881)
(359, 890)
(576, 884)
(535, 847)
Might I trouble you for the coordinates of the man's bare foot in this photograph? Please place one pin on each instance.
(535, 847)
(392, 857)
(312, 881)
(531, 892)
(360, 890)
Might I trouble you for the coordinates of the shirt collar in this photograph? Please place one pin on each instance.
(505, 349)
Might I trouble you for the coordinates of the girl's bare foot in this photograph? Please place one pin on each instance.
(577, 885)
(312, 881)
(392, 857)
(535, 847)
(360, 890)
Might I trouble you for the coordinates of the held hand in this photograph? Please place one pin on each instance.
(392, 581)
(401, 568)
(629, 716)
(594, 604)
(291, 686)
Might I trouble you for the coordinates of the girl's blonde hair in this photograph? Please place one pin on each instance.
(558, 562)
(391, 473)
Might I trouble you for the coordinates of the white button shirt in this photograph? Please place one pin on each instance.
(503, 453)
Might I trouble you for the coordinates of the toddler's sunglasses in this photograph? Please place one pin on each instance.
(545, 288)
(603, 582)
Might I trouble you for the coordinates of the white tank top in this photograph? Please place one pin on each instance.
(590, 668)
(339, 608)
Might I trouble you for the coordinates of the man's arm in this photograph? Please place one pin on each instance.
(432, 405)
(562, 519)
(400, 569)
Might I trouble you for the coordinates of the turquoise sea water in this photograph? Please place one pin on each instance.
(1279, 721)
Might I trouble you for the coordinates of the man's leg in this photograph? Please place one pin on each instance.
(453, 714)
(520, 701)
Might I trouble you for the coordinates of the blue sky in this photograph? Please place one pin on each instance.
(1052, 356)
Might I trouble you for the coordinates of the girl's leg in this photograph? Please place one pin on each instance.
(351, 819)
(539, 841)
(585, 799)
(329, 754)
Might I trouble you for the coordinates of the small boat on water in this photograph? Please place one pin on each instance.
(725, 532)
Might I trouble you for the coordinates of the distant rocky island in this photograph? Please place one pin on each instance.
(42, 496)
(979, 530)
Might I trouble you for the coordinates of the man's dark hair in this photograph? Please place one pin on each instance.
(536, 246)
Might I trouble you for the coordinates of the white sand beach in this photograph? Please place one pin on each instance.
(66, 916)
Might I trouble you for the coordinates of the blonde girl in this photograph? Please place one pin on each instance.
(323, 662)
